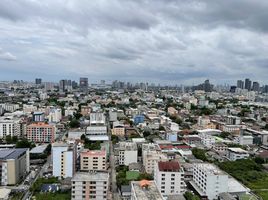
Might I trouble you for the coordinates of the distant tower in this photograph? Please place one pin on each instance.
(248, 84)
(38, 81)
(83, 84)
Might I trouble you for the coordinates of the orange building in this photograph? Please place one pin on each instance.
(41, 132)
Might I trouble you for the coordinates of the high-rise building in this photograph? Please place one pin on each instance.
(63, 85)
(265, 89)
(83, 84)
(169, 178)
(38, 81)
(240, 84)
(256, 86)
(10, 126)
(209, 180)
(63, 159)
(248, 84)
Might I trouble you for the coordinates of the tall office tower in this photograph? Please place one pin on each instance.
(240, 84)
(83, 84)
(256, 86)
(38, 81)
(265, 89)
(248, 84)
(63, 85)
(74, 84)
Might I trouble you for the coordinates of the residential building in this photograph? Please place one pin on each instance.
(169, 178)
(236, 154)
(38, 117)
(151, 155)
(93, 160)
(209, 181)
(63, 159)
(90, 185)
(41, 132)
(9, 126)
(54, 115)
(220, 147)
(14, 165)
(127, 153)
(145, 190)
(97, 132)
(118, 129)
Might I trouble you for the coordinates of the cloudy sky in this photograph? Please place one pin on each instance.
(162, 41)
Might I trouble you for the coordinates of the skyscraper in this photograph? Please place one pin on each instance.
(83, 84)
(248, 84)
(240, 84)
(256, 86)
(63, 85)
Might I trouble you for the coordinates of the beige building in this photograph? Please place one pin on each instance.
(14, 165)
(90, 185)
(151, 154)
(93, 160)
(172, 111)
(119, 130)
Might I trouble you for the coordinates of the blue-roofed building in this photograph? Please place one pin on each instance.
(138, 119)
(14, 165)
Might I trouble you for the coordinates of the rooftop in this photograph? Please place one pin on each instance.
(169, 166)
(149, 192)
(91, 176)
(11, 153)
(93, 153)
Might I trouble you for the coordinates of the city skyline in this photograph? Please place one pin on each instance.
(175, 42)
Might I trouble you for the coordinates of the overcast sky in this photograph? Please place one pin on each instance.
(162, 41)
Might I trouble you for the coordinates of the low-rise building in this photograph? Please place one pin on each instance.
(236, 154)
(93, 160)
(127, 153)
(90, 185)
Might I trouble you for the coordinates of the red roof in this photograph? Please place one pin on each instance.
(169, 166)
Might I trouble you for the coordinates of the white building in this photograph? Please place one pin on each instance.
(63, 159)
(97, 132)
(97, 118)
(245, 140)
(209, 180)
(90, 185)
(9, 126)
(236, 154)
(54, 115)
(169, 178)
(127, 153)
(207, 140)
(10, 107)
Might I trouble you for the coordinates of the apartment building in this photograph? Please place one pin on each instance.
(151, 154)
(41, 132)
(209, 181)
(93, 160)
(118, 129)
(64, 159)
(14, 165)
(127, 153)
(207, 140)
(90, 185)
(169, 178)
(9, 126)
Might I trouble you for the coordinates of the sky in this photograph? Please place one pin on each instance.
(161, 41)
